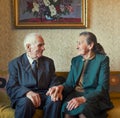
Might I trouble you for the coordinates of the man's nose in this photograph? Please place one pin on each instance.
(43, 48)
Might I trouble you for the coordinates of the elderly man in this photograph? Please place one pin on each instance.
(30, 76)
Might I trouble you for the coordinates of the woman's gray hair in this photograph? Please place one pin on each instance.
(97, 48)
(30, 38)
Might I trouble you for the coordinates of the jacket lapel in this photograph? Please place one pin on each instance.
(79, 67)
(26, 65)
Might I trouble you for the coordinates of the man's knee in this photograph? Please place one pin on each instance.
(24, 108)
(25, 102)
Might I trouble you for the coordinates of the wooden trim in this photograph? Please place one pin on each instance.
(64, 74)
(60, 73)
(114, 72)
(115, 95)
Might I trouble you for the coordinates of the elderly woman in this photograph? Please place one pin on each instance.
(87, 85)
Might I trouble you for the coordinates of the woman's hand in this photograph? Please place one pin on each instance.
(55, 92)
(75, 102)
(35, 98)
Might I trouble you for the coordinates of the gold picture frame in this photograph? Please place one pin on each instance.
(50, 14)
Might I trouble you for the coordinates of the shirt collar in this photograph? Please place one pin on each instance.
(90, 58)
(30, 60)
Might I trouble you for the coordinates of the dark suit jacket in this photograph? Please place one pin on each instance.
(21, 79)
(95, 81)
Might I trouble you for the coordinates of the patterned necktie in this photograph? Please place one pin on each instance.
(34, 68)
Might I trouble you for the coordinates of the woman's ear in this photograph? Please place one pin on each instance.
(28, 47)
(91, 46)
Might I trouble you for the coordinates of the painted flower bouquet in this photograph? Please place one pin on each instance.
(49, 9)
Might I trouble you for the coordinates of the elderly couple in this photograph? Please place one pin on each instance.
(84, 94)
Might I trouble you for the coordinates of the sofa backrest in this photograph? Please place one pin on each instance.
(114, 82)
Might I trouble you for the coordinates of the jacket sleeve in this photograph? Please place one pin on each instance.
(14, 89)
(53, 78)
(103, 81)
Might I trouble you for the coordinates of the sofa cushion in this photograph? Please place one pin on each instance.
(4, 99)
(115, 112)
(5, 110)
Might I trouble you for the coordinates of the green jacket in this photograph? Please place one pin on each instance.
(95, 82)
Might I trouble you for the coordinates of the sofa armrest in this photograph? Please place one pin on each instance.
(2, 82)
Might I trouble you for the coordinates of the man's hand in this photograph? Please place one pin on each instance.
(35, 98)
(55, 92)
(75, 102)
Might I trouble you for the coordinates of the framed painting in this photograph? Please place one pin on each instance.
(50, 13)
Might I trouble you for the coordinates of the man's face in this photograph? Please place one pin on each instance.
(36, 49)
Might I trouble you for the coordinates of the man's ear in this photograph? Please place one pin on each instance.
(28, 47)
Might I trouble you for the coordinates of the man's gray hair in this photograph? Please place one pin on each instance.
(30, 38)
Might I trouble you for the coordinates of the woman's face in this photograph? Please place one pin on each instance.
(82, 46)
